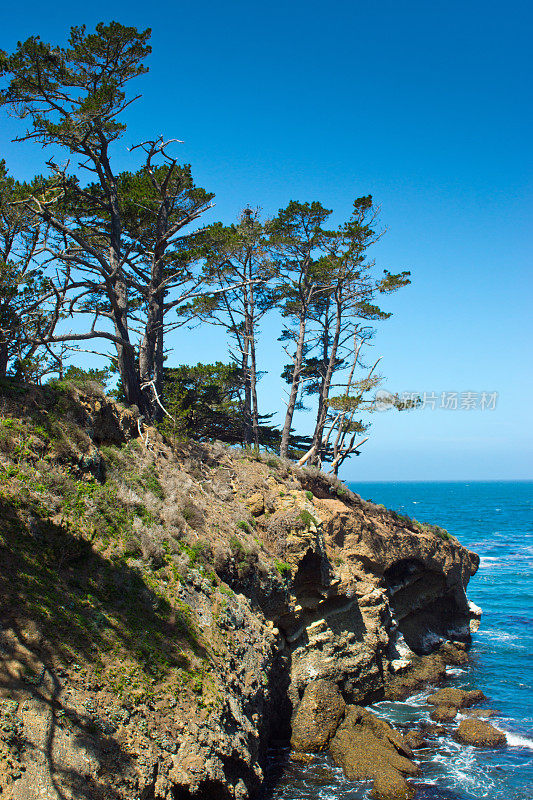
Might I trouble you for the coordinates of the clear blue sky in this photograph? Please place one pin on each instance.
(425, 105)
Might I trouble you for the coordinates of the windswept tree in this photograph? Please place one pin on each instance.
(239, 293)
(118, 235)
(30, 304)
(163, 265)
(335, 317)
(203, 402)
(298, 240)
(73, 99)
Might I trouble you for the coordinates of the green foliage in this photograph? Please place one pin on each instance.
(87, 78)
(309, 495)
(196, 552)
(402, 519)
(151, 482)
(244, 526)
(82, 378)
(204, 402)
(236, 547)
(307, 518)
(284, 569)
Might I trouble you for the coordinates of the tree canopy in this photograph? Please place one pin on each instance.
(122, 257)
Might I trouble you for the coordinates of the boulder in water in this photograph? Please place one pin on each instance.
(484, 713)
(444, 713)
(479, 734)
(460, 698)
(368, 748)
(317, 717)
(415, 740)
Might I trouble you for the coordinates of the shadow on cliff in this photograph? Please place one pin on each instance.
(67, 608)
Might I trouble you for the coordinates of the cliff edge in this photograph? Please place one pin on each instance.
(165, 605)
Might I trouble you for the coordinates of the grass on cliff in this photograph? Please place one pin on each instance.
(84, 553)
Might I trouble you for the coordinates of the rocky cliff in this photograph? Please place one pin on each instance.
(165, 605)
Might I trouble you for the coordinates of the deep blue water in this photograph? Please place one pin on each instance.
(494, 519)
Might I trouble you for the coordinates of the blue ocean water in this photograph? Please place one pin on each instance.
(495, 520)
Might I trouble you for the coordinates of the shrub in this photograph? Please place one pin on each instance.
(152, 482)
(196, 552)
(192, 515)
(283, 568)
(236, 546)
(244, 526)
(309, 495)
(442, 533)
(307, 518)
(221, 559)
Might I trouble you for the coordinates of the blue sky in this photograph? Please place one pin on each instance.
(426, 106)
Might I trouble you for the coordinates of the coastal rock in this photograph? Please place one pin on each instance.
(415, 740)
(458, 698)
(220, 591)
(479, 734)
(432, 729)
(444, 713)
(454, 653)
(317, 717)
(368, 748)
(421, 671)
(300, 758)
(390, 785)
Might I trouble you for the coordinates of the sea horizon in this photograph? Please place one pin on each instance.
(444, 480)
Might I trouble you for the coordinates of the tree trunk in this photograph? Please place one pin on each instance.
(4, 358)
(247, 408)
(323, 397)
(126, 352)
(295, 385)
(253, 386)
(151, 357)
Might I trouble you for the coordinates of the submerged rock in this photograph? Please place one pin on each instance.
(484, 713)
(415, 740)
(317, 717)
(479, 734)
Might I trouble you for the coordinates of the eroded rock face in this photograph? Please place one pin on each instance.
(368, 748)
(479, 734)
(368, 596)
(317, 717)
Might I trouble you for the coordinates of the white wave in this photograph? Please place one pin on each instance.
(458, 766)
(513, 740)
(455, 671)
(510, 639)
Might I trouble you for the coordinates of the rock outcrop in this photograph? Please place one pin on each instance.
(317, 717)
(168, 606)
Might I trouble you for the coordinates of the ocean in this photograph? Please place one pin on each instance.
(495, 520)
